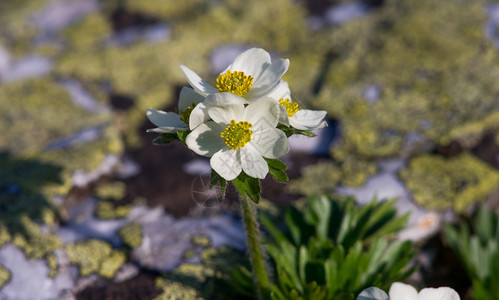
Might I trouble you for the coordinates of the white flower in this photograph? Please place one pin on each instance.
(401, 291)
(251, 75)
(170, 122)
(291, 114)
(238, 137)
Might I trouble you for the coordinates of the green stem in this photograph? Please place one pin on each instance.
(249, 213)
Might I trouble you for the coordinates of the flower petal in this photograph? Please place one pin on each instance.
(442, 293)
(283, 115)
(226, 163)
(268, 80)
(401, 291)
(270, 142)
(263, 112)
(282, 91)
(198, 115)
(205, 140)
(166, 121)
(372, 293)
(200, 86)
(252, 62)
(253, 163)
(306, 119)
(226, 107)
(187, 97)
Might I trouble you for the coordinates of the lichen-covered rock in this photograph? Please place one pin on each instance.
(324, 177)
(108, 210)
(4, 276)
(131, 235)
(455, 183)
(198, 281)
(95, 257)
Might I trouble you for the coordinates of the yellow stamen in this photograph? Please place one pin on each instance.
(235, 82)
(237, 135)
(291, 107)
(185, 114)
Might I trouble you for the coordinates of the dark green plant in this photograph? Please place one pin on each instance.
(478, 249)
(333, 250)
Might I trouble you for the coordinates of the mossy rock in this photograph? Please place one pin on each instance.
(199, 281)
(131, 234)
(107, 210)
(4, 276)
(95, 257)
(434, 66)
(325, 176)
(449, 183)
(112, 190)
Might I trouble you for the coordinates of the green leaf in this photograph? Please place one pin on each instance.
(276, 164)
(166, 138)
(278, 175)
(247, 185)
(289, 131)
(216, 178)
(182, 135)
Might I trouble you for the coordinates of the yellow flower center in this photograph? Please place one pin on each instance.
(237, 135)
(235, 82)
(185, 114)
(291, 107)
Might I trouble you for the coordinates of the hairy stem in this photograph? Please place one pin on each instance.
(249, 215)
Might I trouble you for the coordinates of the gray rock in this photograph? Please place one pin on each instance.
(82, 97)
(29, 277)
(59, 14)
(81, 137)
(82, 179)
(344, 12)
(27, 67)
(372, 93)
(166, 240)
(197, 167)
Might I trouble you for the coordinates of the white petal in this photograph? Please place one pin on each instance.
(226, 113)
(167, 129)
(198, 115)
(226, 163)
(442, 293)
(252, 62)
(269, 79)
(372, 293)
(282, 91)
(253, 163)
(263, 112)
(165, 119)
(283, 115)
(270, 142)
(306, 119)
(401, 291)
(200, 86)
(225, 99)
(205, 140)
(187, 97)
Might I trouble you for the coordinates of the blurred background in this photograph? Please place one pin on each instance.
(91, 209)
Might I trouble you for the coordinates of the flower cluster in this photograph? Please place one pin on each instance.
(242, 122)
(401, 291)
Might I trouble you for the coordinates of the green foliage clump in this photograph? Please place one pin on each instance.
(325, 176)
(95, 257)
(333, 250)
(4, 276)
(478, 249)
(131, 234)
(107, 210)
(458, 182)
(200, 281)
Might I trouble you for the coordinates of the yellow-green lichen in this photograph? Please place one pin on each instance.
(325, 176)
(88, 31)
(454, 183)
(131, 234)
(95, 257)
(108, 210)
(191, 281)
(113, 190)
(4, 276)
(201, 240)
